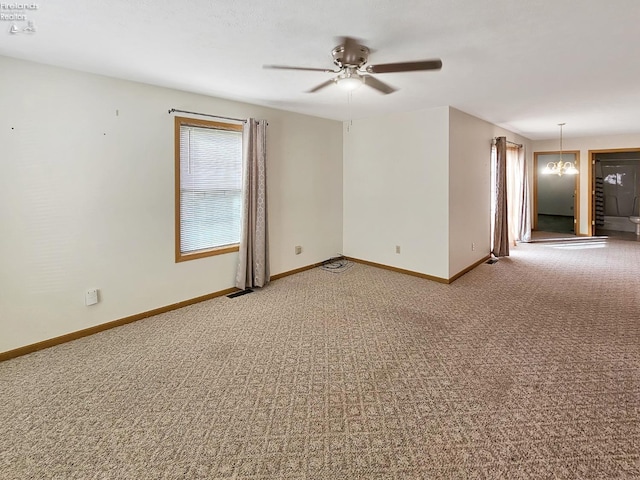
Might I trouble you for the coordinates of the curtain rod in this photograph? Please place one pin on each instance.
(242, 120)
(519, 145)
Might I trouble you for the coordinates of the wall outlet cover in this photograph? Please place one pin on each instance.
(91, 296)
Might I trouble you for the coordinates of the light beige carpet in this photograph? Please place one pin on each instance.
(528, 368)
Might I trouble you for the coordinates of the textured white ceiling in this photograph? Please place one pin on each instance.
(525, 65)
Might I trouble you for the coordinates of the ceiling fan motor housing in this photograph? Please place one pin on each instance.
(355, 58)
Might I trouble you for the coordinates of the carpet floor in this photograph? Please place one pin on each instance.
(527, 368)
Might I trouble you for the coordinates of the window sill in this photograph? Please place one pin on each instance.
(183, 257)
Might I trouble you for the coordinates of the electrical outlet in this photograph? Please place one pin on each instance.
(91, 297)
(397, 248)
(473, 246)
(298, 249)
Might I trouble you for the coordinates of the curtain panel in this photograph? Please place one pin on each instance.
(518, 201)
(501, 224)
(524, 214)
(253, 259)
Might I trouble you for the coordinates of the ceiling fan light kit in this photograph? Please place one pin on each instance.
(351, 57)
(350, 80)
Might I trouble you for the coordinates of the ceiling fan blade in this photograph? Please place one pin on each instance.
(405, 66)
(284, 67)
(377, 84)
(321, 86)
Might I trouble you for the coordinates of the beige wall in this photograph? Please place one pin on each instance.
(419, 180)
(87, 199)
(396, 190)
(469, 187)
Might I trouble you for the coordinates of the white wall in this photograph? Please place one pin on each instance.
(469, 187)
(87, 199)
(396, 190)
(584, 144)
(420, 180)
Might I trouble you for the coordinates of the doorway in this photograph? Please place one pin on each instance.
(555, 197)
(615, 191)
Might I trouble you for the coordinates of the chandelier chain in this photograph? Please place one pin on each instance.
(561, 125)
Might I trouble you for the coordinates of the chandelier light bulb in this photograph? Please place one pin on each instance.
(349, 81)
(560, 167)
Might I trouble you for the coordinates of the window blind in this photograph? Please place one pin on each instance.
(210, 187)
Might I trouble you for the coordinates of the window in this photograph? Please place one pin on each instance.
(208, 187)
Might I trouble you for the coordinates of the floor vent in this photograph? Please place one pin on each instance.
(241, 292)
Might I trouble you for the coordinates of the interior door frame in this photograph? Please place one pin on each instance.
(576, 189)
(592, 182)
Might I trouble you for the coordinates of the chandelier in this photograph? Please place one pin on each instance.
(560, 167)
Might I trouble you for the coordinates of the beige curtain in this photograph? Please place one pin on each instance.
(501, 223)
(253, 261)
(518, 201)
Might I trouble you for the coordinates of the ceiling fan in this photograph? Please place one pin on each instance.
(350, 57)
